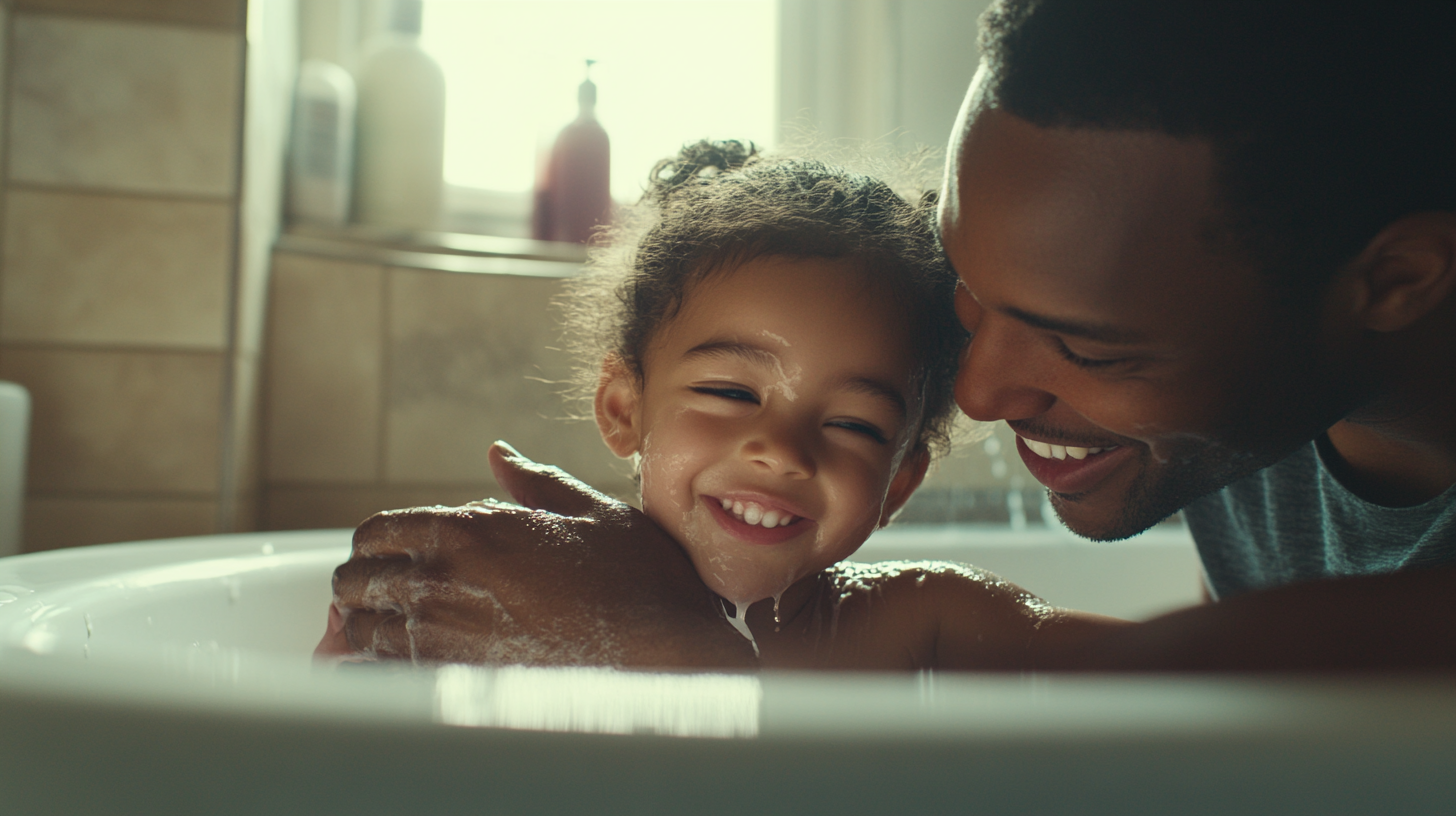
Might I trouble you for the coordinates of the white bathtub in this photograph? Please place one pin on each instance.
(173, 676)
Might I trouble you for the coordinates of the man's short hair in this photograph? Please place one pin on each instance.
(1329, 120)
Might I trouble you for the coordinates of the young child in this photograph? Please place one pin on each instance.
(773, 342)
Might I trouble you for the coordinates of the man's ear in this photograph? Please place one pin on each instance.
(617, 405)
(1406, 272)
(905, 481)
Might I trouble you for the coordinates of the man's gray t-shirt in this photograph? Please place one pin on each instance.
(1293, 521)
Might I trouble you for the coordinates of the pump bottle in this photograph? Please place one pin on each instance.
(573, 190)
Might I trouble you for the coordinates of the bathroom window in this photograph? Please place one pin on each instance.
(667, 72)
(673, 71)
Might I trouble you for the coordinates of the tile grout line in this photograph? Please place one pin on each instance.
(91, 16)
(49, 188)
(386, 370)
(82, 347)
(228, 442)
(264, 387)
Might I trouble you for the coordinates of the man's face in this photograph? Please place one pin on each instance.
(1140, 366)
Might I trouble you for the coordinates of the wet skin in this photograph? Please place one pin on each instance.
(783, 386)
(1106, 317)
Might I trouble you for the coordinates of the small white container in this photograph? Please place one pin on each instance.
(321, 169)
(399, 177)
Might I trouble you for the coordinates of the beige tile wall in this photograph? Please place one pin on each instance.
(472, 360)
(386, 386)
(325, 371)
(120, 421)
(52, 522)
(115, 269)
(120, 286)
(124, 106)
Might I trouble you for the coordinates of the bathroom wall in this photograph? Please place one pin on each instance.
(386, 385)
(134, 256)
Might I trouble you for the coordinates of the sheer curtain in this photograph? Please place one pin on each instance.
(876, 69)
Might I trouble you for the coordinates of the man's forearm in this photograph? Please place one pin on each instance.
(1400, 621)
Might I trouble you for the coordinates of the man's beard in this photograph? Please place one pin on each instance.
(1185, 472)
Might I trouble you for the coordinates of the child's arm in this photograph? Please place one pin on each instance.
(908, 616)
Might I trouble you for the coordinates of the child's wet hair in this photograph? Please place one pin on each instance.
(717, 205)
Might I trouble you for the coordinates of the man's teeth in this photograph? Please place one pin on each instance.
(750, 513)
(1046, 451)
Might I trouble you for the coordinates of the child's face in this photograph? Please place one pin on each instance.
(784, 390)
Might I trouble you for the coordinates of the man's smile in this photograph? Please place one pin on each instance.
(1070, 469)
(1049, 451)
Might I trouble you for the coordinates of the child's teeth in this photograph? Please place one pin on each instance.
(751, 513)
(1059, 451)
(1077, 453)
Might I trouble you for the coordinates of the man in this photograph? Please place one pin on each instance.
(1208, 254)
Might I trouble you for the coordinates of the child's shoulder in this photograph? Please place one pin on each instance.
(857, 577)
(945, 584)
(924, 614)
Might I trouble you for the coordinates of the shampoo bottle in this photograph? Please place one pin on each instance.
(399, 180)
(321, 165)
(573, 192)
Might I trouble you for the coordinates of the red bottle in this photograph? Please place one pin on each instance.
(573, 187)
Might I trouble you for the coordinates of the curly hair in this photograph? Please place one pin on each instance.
(717, 205)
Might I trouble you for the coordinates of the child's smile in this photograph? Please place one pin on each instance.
(756, 519)
(776, 421)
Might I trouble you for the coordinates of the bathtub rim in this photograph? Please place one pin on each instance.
(1327, 741)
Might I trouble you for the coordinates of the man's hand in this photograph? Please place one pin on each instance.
(572, 577)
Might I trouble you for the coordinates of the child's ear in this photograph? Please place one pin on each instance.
(905, 481)
(617, 404)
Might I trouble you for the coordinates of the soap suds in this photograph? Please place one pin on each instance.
(776, 338)
(740, 622)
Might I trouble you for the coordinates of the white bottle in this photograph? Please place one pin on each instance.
(321, 168)
(399, 175)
